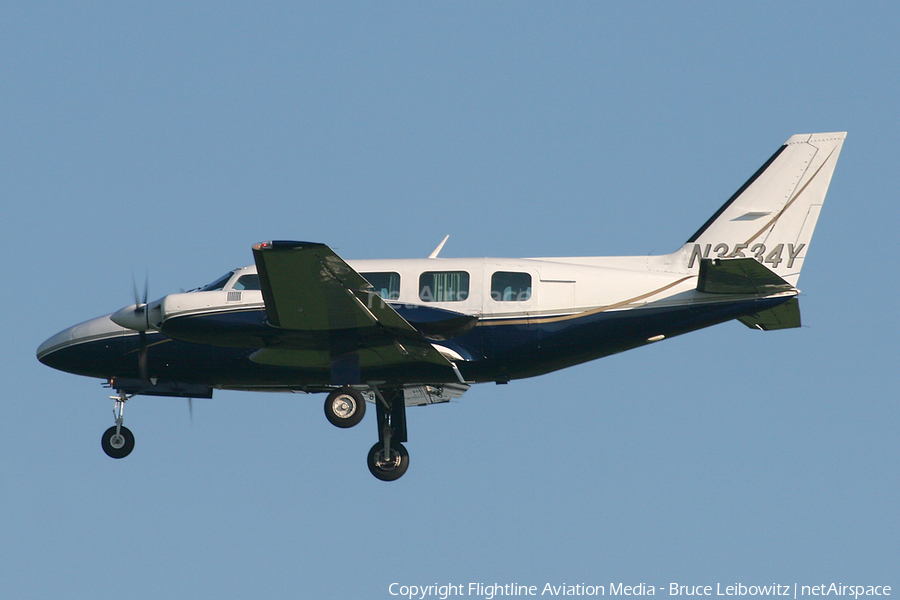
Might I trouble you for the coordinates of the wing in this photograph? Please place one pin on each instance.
(330, 316)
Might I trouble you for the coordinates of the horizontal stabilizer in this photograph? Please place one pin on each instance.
(739, 276)
(783, 316)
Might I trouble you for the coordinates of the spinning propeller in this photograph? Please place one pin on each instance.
(142, 310)
(137, 318)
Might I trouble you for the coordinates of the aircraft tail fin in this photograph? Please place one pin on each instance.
(772, 216)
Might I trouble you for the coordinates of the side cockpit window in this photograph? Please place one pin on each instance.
(247, 282)
(507, 286)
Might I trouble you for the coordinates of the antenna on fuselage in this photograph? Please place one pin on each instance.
(439, 247)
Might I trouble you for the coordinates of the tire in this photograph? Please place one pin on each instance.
(117, 447)
(345, 407)
(388, 470)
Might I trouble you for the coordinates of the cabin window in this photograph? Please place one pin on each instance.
(444, 286)
(247, 282)
(387, 285)
(510, 287)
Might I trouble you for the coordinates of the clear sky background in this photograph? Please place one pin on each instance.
(166, 138)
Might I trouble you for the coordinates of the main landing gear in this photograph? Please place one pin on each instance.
(388, 459)
(118, 441)
(345, 407)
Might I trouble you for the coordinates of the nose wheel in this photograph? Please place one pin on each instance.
(118, 441)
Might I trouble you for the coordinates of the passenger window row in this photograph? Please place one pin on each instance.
(453, 286)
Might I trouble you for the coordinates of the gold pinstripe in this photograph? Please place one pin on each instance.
(791, 201)
(587, 313)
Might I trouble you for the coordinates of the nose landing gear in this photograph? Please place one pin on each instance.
(118, 441)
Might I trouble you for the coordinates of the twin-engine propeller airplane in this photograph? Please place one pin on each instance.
(401, 333)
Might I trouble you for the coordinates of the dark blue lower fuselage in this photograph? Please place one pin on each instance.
(492, 349)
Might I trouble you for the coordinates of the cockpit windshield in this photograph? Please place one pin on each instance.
(218, 284)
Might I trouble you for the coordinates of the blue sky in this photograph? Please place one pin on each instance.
(167, 139)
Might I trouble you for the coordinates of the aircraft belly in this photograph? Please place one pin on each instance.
(528, 349)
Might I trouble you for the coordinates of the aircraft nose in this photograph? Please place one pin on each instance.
(53, 343)
(66, 350)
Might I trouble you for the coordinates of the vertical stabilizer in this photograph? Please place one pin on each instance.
(771, 217)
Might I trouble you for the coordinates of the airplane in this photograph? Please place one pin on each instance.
(399, 333)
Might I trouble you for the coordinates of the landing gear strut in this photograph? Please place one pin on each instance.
(118, 441)
(388, 459)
